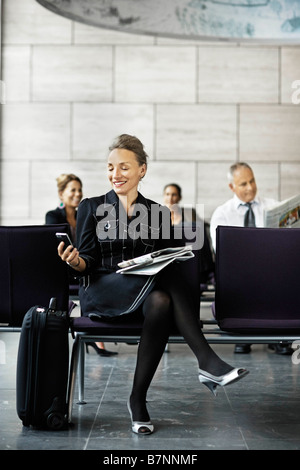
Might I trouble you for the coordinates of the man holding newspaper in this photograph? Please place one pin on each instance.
(247, 209)
(114, 228)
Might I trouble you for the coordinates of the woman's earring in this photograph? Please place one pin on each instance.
(61, 205)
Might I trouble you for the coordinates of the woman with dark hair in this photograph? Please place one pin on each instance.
(118, 226)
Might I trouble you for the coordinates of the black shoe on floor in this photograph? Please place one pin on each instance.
(282, 349)
(105, 352)
(99, 351)
(242, 348)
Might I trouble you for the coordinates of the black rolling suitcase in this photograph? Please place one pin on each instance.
(43, 368)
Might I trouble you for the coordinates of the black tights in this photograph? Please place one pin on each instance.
(165, 306)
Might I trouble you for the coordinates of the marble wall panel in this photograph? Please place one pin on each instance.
(212, 185)
(237, 75)
(270, 133)
(196, 132)
(96, 125)
(197, 106)
(16, 72)
(44, 195)
(35, 131)
(289, 179)
(72, 73)
(290, 72)
(27, 22)
(267, 179)
(155, 74)
(15, 191)
(164, 172)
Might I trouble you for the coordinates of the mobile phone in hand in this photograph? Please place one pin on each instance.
(64, 237)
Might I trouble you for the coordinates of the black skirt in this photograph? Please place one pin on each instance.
(110, 294)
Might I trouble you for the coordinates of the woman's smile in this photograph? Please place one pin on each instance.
(118, 184)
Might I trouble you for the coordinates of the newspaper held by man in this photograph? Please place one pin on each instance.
(152, 263)
(284, 214)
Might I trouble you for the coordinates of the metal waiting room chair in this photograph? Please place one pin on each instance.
(257, 279)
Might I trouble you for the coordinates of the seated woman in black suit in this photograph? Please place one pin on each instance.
(115, 227)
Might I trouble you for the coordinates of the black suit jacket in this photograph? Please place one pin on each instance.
(59, 216)
(56, 216)
(106, 236)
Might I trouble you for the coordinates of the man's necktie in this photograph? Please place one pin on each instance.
(249, 219)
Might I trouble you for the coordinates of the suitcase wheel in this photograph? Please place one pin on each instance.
(55, 420)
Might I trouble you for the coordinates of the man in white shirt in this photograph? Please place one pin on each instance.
(242, 183)
(245, 209)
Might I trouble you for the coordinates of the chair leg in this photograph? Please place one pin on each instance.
(81, 372)
(72, 377)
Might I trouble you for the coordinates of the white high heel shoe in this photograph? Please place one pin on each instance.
(212, 381)
(140, 427)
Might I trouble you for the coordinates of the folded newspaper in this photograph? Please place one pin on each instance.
(283, 214)
(152, 263)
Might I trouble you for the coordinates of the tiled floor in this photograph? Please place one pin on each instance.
(260, 412)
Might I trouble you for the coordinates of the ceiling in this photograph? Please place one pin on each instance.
(245, 20)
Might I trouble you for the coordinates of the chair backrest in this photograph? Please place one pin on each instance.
(257, 279)
(31, 271)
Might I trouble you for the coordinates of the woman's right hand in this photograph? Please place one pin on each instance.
(71, 256)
